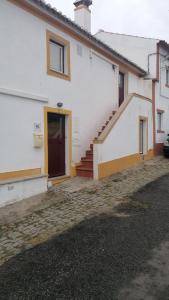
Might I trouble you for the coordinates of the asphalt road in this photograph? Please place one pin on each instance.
(105, 257)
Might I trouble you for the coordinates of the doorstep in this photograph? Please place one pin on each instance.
(57, 180)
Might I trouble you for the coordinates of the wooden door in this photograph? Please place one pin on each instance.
(56, 145)
(121, 88)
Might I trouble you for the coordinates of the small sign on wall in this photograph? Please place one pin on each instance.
(37, 127)
(37, 136)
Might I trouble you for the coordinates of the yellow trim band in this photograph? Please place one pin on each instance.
(19, 174)
(117, 165)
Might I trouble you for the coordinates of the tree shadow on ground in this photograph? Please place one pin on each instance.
(96, 258)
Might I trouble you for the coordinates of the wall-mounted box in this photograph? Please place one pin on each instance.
(38, 140)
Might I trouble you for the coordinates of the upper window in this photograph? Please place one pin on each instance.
(159, 121)
(160, 114)
(58, 56)
(167, 76)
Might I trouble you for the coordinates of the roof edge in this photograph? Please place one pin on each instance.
(163, 44)
(125, 34)
(49, 11)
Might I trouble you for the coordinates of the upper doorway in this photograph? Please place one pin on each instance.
(121, 87)
(56, 145)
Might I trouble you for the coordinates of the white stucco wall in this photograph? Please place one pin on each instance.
(137, 49)
(139, 86)
(17, 118)
(83, 17)
(91, 94)
(123, 140)
(19, 190)
(134, 48)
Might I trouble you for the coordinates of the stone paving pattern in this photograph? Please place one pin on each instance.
(74, 205)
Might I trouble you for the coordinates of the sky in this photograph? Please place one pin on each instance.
(148, 18)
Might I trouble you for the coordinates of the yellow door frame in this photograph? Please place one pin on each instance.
(64, 112)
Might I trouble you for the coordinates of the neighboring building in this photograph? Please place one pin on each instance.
(58, 86)
(153, 56)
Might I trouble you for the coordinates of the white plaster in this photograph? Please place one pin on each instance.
(134, 48)
(123, 139)
(17, 191)
(91, 95)
(138, 49)
(82, 17)
(20, 94)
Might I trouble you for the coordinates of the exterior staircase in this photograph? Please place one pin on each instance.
(85, 169)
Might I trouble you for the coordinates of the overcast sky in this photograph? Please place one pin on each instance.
(149, 18)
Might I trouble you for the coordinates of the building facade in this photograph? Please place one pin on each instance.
(66, 108)
(153, 56)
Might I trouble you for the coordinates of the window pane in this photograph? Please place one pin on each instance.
(56, 57)
(159, 115)
(167, 76)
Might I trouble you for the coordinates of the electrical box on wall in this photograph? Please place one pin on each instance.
(38, 140)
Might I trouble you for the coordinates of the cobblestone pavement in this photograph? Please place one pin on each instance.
(70, 205)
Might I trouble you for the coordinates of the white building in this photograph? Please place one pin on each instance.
(153, 56)
(58, 87)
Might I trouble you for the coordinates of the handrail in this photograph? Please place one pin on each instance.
(117, 115)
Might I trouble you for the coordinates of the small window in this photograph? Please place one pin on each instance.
(159, 120)
(58, 56)
(167, 76)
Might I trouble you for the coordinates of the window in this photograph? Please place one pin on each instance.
(160, 114)
(167, 76)
(58, 56)
(159, 120)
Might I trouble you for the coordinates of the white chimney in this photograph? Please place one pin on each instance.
(83, 14)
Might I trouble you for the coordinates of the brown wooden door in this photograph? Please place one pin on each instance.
(56, 145)
(121, 88)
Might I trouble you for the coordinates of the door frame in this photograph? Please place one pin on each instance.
(145, 134)
(68, 138)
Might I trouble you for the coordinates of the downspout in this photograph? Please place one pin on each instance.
(154, 114)
(154, 95)
(158, 63)
(156, 80)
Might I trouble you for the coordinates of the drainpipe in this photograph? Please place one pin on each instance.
(154, 113)
(154, 80)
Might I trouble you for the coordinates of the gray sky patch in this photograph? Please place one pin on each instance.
(149, 18)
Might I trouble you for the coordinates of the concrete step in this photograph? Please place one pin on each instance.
(87, 163)
(89, 152)
(84, 172)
